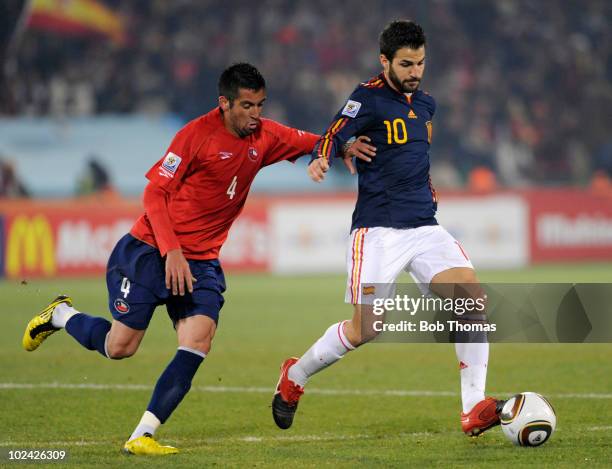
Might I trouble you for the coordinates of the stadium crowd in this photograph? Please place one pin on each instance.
(524, 88)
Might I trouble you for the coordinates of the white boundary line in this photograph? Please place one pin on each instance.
(235, 439)
(326, 437)
(263, 390)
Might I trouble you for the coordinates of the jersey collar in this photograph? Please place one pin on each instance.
(399, 94)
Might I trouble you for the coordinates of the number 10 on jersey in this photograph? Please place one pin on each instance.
(396, 131)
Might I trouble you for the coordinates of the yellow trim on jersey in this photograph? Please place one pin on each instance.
(357, 261)
(327, 138)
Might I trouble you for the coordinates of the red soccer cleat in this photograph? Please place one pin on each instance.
(483, 416)
(286, 397)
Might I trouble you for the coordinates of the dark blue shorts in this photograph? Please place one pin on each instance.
(136, 281)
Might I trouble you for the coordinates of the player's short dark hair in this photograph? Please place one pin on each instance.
(398, 34)
(239, 75)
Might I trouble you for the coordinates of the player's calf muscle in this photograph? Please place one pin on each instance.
(196, 332)
(359, 329)
(120, 349)
(122, 341)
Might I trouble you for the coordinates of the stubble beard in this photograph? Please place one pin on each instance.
(403, 86)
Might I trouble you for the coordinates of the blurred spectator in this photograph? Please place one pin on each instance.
(601, 183)
(523, 88)
(482, 179)
(603, 158)
(95, 180)
(10, 185)
(12, 16)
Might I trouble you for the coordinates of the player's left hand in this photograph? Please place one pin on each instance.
(317, 169)
(178, 273)
(361, 149)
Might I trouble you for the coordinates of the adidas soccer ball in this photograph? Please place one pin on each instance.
(528, 419)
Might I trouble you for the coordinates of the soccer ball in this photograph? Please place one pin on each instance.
(528, 419)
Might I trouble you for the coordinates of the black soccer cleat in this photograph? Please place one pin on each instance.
(286, 397)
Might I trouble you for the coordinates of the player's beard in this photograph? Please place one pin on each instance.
(404, 86)
(242, 130)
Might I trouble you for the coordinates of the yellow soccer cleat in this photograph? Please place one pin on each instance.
(146, 445)
(40, 327)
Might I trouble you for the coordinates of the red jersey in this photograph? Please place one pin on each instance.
(207, 173)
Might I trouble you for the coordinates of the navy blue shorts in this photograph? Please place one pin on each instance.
(136, 281)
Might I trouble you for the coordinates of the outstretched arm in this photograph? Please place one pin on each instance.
(358, 148)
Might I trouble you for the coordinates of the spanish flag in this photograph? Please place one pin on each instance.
(76, 17)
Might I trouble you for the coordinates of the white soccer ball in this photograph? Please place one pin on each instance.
(528, 419)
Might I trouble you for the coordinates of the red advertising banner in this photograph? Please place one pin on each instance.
(47, 239)
(248, 245)
(569, 225)
(73, 238)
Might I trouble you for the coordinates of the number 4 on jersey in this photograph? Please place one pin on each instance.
(231, 190)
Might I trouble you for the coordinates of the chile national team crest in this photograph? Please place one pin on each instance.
(252, 154)
(122, 306)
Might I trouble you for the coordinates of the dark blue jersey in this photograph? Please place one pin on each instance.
(395, 188)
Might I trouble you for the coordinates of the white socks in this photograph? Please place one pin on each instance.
(61, 314)
(473, 359)
(330, 348)
(333, 345)
(148, 424)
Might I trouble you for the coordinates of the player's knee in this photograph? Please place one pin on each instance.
(466, 276)
(200, 344)
(358, 335)
(353, 336)
(472, 307)
(362, 326)
(469, 296)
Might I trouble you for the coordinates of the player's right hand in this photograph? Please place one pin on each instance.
(178, 273)
(362, 149)
(317, 169)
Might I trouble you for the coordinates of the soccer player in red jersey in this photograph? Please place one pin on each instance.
(194, 194)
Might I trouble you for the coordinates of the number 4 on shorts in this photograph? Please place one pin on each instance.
(125, 287)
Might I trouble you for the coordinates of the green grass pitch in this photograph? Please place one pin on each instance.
(348, 417)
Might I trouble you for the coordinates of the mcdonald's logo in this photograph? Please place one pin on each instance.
(30, 247)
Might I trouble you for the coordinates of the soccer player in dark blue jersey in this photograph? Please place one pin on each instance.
(394, 228)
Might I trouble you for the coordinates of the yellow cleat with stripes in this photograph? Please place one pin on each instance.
(147, 446)
(40, 327)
